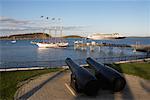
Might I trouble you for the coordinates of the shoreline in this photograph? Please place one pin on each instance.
(69, 36)
(36, 68)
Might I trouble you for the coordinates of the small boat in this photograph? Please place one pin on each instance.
(13, 41)
(33, 42)
(78, 42)
(63, 44)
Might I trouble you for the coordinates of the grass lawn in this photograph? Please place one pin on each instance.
(137, 69)
(9, 80)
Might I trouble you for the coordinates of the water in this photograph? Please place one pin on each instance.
(25, 54)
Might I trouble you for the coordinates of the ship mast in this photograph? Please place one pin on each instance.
(42, 31)
(60, 26)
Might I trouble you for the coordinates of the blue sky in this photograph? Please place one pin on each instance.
(81, 17)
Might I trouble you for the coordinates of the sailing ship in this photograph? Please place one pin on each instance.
(52, 43)
(56, 43)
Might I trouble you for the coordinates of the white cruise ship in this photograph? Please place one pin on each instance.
(99, 36)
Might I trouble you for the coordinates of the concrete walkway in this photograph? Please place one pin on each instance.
(55, 86)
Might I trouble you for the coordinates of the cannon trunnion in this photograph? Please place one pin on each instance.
(108, 77)
(81, 79)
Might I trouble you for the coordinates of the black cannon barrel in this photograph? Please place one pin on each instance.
(83, 80)
(108, 77)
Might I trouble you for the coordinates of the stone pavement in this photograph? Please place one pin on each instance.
(55, 86)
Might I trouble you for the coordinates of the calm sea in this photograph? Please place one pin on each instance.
(24, 54)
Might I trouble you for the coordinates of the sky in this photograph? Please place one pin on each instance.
(78, 17)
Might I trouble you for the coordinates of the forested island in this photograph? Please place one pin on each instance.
(29, 36)
(26, 36)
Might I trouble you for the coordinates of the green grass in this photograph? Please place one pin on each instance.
(137, 69)
(10, 80)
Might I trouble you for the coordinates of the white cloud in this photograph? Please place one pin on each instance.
(11, 21)
(11, 25)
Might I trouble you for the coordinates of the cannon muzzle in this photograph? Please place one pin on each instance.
(108, 77)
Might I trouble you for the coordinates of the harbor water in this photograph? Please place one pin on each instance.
(24, 54)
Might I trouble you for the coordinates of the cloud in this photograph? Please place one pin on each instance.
(11, 25)
(7, 20)
(8, 24)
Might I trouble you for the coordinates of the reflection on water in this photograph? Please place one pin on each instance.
(23, 53)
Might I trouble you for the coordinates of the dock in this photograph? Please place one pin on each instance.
(101, 44)
(142, 48)
(92, 45)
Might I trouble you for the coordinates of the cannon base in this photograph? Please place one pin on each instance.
(74, 85)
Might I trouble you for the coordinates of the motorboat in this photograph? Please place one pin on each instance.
(63, 44)
(13, 41)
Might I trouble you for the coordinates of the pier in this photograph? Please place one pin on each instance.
(142, 48)
(92, 45)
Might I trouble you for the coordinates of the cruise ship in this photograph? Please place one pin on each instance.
(99, 36)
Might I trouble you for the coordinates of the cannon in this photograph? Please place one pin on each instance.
(81, 79)
(108, 78)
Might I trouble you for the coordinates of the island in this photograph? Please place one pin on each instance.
(26, 36)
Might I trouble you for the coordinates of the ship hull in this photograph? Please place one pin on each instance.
(105, 37)
(120, 37)
(51, 45)
(46, 45)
